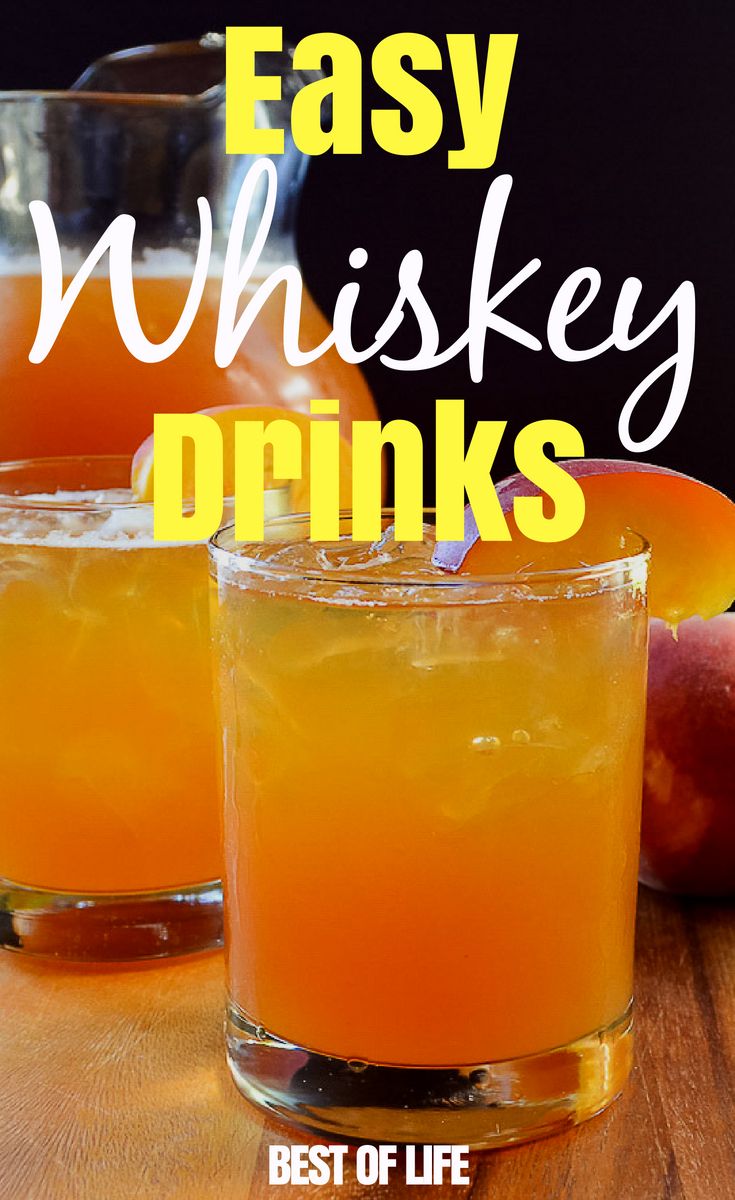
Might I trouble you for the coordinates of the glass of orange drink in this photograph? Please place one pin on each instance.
(432, 796)
(109, 796)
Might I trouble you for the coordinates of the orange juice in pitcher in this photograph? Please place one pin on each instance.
(142, 133)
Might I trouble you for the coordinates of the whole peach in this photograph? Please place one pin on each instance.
(688, 833)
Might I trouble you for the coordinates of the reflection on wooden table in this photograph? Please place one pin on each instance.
(114, 1087)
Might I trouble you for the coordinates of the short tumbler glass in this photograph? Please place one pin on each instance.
(432, 814)
(109, 793)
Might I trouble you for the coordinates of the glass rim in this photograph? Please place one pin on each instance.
(19, 500)
(210, 97)
(585, 572)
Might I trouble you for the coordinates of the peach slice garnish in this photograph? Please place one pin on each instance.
(689, 526)
(226, 416)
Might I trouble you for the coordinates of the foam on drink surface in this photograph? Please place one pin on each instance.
(169, 263)
(107, 518)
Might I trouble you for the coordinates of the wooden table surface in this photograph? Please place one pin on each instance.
(114, 1087)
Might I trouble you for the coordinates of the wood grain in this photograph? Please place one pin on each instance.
(113, 1087)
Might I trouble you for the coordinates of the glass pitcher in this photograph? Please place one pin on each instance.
(142, 132)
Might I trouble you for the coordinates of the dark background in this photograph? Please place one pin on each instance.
(618, 134)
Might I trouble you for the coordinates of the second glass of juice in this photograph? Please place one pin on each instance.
(109, 793)
(431, 826)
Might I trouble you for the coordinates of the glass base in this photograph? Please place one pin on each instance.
(482, 1106)
(101, 928)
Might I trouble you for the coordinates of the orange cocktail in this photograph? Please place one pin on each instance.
(91, 396)
(108, 756)
(432, 820)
